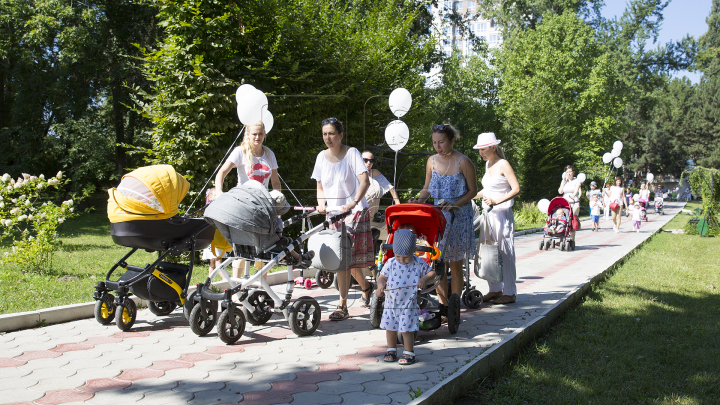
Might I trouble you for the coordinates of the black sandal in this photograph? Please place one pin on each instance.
(390, 356)
(407, 360)
(340, 314)
(366, 301)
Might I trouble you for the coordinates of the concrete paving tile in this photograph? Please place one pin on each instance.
(151, 385)
(197, 385)
(60, 383)
(93, 373)
(149, 348)
(118, 355)
(360, 377)
(112, 397)
(379, 367)
(314, 397)
(19, 395)
(9, 372)
(166, 397)
(338, 387)
(407, 375)
(381, 388)
(40, 364)
(422, 385)
(18, 382)
(130, 363)
(238, 387)
(319, 359)
(86, 363)
(184, 374)
(82, 355)
(400, 397)
(49, 372)
(362, 398)
(228, 375)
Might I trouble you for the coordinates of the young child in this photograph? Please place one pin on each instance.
(215, 257)
(420, 241)
(400, 278)
(559, 222)
(636, 216)
(595, 206)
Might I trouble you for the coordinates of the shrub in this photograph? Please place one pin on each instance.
(30, 218)
(527, 213)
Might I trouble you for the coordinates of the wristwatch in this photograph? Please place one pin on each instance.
(356, 201)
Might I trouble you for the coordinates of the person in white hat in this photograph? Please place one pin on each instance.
(499, 188)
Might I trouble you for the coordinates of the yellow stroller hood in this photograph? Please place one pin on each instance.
(147, 193)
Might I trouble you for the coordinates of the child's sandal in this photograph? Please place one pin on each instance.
(390, 357)
(407, 360)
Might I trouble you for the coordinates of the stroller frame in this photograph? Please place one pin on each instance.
(564, 241)
(257, 301)
(122, 307)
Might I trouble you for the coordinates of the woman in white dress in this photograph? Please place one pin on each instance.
(570, 190)
(616, 197)
(379, 185)
(499, 188)
(342, 181)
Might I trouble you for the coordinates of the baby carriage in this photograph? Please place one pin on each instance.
(143, 215)
(558, 226)
(246, 219)
(659, 205)
(428, 221)
(643, 208)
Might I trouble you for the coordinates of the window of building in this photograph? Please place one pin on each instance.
(448, 5)
(471, 5)
(458, 6)
(482, 27)
(448, 32)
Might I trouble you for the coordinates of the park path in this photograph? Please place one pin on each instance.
(161, 361)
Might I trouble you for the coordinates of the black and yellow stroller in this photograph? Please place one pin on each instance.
(143, 213)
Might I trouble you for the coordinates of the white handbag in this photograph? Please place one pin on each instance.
(333, 249)
(488, 261)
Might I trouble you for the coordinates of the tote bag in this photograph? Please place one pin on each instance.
(488, 261)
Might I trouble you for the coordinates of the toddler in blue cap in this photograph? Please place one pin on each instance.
(400, 279)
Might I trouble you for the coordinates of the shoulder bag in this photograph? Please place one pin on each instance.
(488, 261)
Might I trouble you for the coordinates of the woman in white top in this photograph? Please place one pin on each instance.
(570, 189)
(606, 201)
(500, 186)
(616, 197)
(342, 181)
(379, 185)
(252, 160)
(644, 193)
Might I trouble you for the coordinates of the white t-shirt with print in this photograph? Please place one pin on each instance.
(260, 171)
(339, 180)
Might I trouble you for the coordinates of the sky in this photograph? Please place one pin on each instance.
(682, 17)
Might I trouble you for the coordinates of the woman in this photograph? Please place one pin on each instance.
(253, 161)
(379, 185)
(606, 201)
(500, 186)
(570, 190)
(342, 180)
(450, 180)
(628, 198)
(616, 196)
(644, 193)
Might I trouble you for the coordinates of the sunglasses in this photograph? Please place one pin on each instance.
(366, 160)
(440, 127)
(329, 121)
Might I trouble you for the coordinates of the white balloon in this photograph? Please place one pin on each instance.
(617, 162)
(267, 119)
(607, 158)
(397, 134)
(582, 177)
(400, 101)
(243, 91)
(615, 152)
(543, 205)
(618, 145)
(650, 177)
(250, 107)
(636, 197)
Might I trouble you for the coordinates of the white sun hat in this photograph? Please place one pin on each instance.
(486, 139)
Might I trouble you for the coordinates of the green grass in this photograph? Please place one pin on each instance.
(647, 335)
(679, 221)
(86, 255)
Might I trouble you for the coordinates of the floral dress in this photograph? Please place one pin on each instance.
(400, 312)
(459, 235)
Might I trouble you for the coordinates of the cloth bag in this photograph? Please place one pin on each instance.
(488, 261)
(576, 223)
(333, 250)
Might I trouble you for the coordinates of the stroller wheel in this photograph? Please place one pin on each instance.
(376, 310)
(400, 337)
(161, 308)
(563, 246)
(542, 244)
(125, 314)
(258, 299)
(105, 309)
(189, 304)
(304, 317)
(324, 278)
(453, 313)
(547, 245)
(572, 245)
(228, 333)
(202, 323)
(472, 299)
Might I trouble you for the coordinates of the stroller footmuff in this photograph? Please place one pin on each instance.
(246, 218)
(143, 215)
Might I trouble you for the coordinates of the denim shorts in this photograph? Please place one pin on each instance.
(596, 218)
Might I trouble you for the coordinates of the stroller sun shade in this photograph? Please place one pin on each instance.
(245, 216)
(427, 219)
(147, 193)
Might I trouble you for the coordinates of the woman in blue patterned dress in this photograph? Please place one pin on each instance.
(450, 179)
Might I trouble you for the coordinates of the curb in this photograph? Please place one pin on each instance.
(74, 312)
(497, 356)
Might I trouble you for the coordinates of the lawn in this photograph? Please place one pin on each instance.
(646, 335)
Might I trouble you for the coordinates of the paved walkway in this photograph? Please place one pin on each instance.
(161, 361)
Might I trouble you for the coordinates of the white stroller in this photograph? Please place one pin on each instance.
(246, 219)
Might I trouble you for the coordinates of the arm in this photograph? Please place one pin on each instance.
(394, 193)
(381, 282)
(562, 185)
(577, 190)
(424, 193)
(275, 180)
(509, 174)
(220, 176)
(424, 279)
(320, 198)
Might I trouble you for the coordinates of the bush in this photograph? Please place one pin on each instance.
(527, 213)
(30, 218)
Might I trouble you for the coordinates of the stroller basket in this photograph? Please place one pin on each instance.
(151, 287)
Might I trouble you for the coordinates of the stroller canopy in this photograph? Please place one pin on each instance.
(147, 193)
(427, 219)
(558, 202)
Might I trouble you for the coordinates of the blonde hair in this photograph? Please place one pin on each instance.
(246, 147)
(499, 152)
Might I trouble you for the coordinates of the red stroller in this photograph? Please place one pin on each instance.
(558, 226)
(429, 222)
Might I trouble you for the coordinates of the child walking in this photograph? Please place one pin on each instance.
(400, 278)
(595, 206)
(636, 217)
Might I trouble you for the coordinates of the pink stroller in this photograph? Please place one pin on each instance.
(558, 226)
